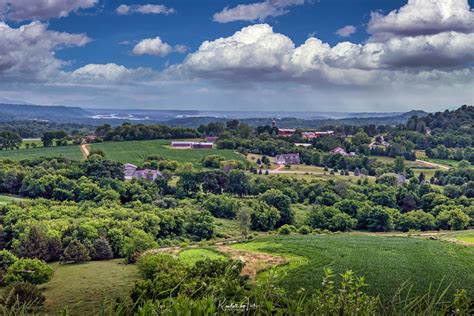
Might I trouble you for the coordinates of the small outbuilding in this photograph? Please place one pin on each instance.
(288, 159)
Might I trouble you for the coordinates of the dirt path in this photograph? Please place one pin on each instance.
(85, 150)
(254, 261)
(431, 164)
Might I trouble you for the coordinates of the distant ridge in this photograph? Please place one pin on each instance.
(194, 118)
(40, 112)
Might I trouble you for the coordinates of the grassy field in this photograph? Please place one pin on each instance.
(5, 199)
(191, 256)
(386, 262)
(71, 152)
(83, 287)
(136, 151)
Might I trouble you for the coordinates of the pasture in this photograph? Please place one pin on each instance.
(70, 152)
(136, 151)
(386, 262)
(84, 287)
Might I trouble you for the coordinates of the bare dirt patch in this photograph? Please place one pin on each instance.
(254, 262)
(85, 150)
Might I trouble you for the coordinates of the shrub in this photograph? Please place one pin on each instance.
(75, 252)
(304, 230)
(22, 293)
(417, 220)
(136, 243)
(6, 259)
(328, 217)
(101, 249)
(286, 229)
(34, 271)
(454, 219)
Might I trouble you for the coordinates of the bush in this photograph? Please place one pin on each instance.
(454, 219)
(34, 271)
(75, 252)
(101, 249)
(286, 229)
(22, 293)
(282, 203)
(136, 243)
(304, 230)
(6, 259)
(328, 217)
(417, 220)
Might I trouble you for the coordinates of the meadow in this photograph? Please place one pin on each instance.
(71, 152)
(135, 152)
(84, 287)
(386, 262)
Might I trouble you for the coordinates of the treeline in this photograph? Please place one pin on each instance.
(449, 128)
(36, 129)
(442, 152)
(128, 131)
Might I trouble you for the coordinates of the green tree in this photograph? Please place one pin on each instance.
(101, 249)
(75, 252)
(244, 219)
(201, 225)
(137, 243)
(282, 203)
(263, 217)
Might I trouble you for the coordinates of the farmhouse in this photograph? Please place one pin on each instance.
(190, 145)
(288, 159)
(286, 132)
(342, 151)
(312, 135)
(211, 139)
(132, 172)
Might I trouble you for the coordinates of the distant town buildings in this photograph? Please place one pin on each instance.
(286, 132)
(312, 135)
(192, 145)
(288, 159)
(132, 172)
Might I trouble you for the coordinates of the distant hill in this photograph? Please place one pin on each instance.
(9, 112)
(194, 118)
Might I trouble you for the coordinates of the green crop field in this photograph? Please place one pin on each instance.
(386, 262)
(136, 151)
(83, 287)
(71, 152)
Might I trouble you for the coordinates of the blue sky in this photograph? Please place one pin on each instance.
(337, 55)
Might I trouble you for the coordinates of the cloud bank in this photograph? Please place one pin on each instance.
(19, 10)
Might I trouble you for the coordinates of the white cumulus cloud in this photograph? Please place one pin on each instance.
(19, 10)
(346, 31)
(98, 73)
(255, 11)
(27, 52)
(425, 17)
(155, 46)
(144, 9)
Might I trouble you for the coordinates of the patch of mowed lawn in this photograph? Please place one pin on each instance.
(84, 287)
(70, 152)
(136, 151)
(386, 262)
(191, 256)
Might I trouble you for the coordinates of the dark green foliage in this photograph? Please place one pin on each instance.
(75, 252)
(222, 206)
(201, 225)
(282, 203)
(327, 217)
(263, 217)
(417, 220)
(137, 243)
(101, 249)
